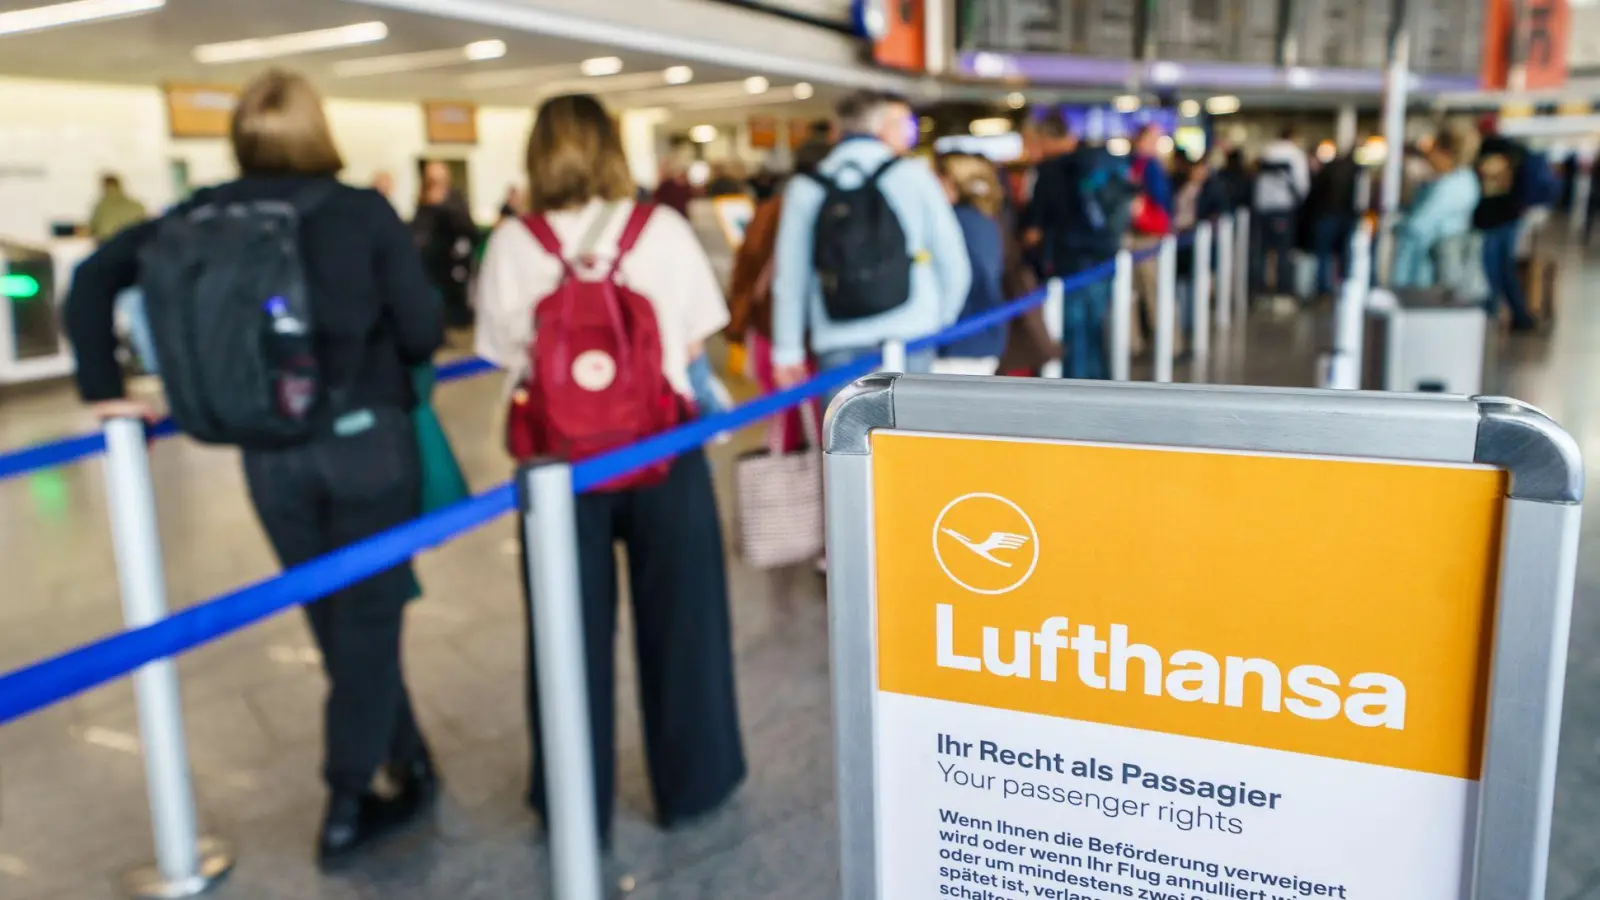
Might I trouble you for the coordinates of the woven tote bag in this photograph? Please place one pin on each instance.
(780, 498)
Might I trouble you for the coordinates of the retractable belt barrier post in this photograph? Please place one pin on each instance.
(894, 356)
(1022, 701)
(1055, 325)
(1226, 257)
(545, 498)
(1241, 263)
(185, 865)
(1122, 318)
(1166, 308)
(1200, 302)
(1345, 362)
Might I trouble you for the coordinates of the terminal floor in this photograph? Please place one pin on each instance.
(72, 807)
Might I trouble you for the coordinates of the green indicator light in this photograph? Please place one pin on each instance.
(19, 287)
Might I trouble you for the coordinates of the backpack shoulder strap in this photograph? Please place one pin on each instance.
(308, 198)
(539, 227)
(637, 220)
(882, 170)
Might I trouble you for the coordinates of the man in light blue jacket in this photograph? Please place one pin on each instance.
(877, 128)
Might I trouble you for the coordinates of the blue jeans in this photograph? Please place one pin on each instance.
(1083, 332)
(1500, 268)
(1330, 240)
(1275, 235)
(919, 363)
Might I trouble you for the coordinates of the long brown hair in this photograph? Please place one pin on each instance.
(575, 155)
(975, 181)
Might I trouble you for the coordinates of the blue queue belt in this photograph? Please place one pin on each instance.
(73, 449)
(57, 678)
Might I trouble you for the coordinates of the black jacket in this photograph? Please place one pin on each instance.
(1499, 175)
(1070, 242)
(372, 307)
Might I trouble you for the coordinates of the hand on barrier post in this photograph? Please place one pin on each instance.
(1200, 302)
(1122, 318)
(1166, 309)
(555, 600)
(186, 865)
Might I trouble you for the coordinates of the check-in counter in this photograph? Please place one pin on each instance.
(33, 284)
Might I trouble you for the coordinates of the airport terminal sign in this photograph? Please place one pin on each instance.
(1111, 672)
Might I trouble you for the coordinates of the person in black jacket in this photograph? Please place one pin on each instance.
(373, 314)
(447, 238)
(1331, 212)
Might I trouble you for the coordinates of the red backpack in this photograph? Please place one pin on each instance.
(594, 379)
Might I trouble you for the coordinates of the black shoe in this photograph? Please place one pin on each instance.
(354, 822)
(417, 780)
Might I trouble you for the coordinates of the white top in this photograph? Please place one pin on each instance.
(1283, 191)
(667, 266)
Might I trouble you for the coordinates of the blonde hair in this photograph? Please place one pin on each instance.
(975, 181)
(575, 155)
(279, 128)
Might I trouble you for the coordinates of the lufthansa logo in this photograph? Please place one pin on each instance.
(986, 544)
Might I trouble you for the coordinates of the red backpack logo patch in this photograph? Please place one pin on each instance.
(594, 378)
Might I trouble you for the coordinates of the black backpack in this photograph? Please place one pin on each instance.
(226, 299)
(861, 254)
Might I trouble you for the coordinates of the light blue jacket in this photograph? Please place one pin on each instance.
(1441, 214)
(939, 280)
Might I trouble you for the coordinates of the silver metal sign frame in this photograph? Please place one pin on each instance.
(1538, 559)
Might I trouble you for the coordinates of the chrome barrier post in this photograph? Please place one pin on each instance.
(1166, 308)
(1122, 318)
(1055, 324)
(1225, 259)
(555, 598)
(1200, 302)
(185, 864)
(1241, 264)
(1344, 367)
(894, 356)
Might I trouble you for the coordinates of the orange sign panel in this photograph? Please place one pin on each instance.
(199, 110)
(1526, 48)
(763, 132)
(450, 122)
(904, 44)
(1328, 607)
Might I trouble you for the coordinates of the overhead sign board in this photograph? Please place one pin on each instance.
(1110, 641)
(1095, 28)
(1243, 31)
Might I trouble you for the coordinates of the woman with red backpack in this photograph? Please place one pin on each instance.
(596, 304)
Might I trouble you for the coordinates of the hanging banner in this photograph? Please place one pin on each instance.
(1526, 52)
(903, 43)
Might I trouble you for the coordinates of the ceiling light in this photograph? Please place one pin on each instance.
(703, 134)
(291, 44)
(1126, 103)
(1189, 109)
(678, 75)
(1223, 105)
(39, 18)
(1016, 101)
(477, 51)
(755, 84)
(600, 66)
(804, 91)
(989, 127)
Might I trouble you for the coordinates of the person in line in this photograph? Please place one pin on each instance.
(1502, 176)
(750, 290)
(1331, 207)
(1283, 179)
(446, 236)
(974, 190)
(579, 183)
(373, 314)
(674, 190)
(879, 129)
(1151, 222)
(1430, 247)
(114, 210)
(1076, 219)
(1200, 197)
(514, 204)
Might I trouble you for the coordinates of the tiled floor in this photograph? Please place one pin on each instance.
(72, 810)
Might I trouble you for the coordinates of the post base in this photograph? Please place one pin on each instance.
(215, 862)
